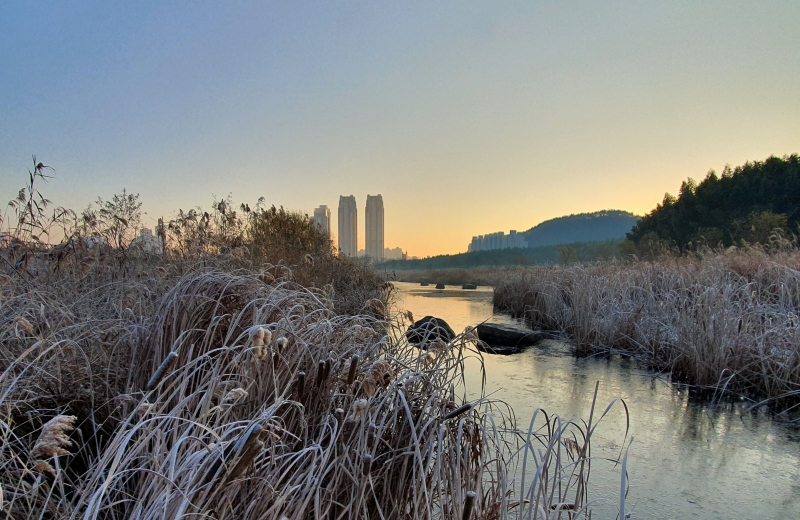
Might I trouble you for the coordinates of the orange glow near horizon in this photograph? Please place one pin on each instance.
(468, 118)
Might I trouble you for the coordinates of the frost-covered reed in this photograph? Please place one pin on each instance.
(220, 395)
(727, 322)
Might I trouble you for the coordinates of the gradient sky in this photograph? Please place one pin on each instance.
(467, 117)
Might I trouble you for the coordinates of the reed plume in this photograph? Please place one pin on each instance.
(22, 323)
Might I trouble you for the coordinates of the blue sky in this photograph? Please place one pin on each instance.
(467, 117)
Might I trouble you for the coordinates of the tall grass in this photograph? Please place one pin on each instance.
(726, 321)
(219, 395)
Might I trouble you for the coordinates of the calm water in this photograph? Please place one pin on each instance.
(688, 459)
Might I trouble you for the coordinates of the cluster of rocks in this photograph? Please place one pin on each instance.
(494, 338)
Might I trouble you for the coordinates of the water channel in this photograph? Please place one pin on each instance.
(688, 459)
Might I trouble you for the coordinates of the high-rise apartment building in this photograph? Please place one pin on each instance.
(348, 225)
(322, 219)
(374, 227)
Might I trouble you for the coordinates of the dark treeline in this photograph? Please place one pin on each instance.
(758, 202)
(544, 255)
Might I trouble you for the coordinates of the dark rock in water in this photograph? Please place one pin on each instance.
(506, 339)
(440, 286)
(427, 330)
(469, 286)
(424, 284)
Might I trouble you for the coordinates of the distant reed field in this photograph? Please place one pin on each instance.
(726, 321)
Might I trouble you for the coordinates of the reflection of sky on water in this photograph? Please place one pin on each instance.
(688, 459)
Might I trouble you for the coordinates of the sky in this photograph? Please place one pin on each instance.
(468, 117)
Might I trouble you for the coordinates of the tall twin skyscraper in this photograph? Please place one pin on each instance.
(374, 229)
(348, 226)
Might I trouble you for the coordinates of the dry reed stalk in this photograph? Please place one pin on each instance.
(353, 369)
(301, 384)
(469, 503)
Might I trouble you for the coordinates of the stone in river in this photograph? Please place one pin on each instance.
(469, 286)
(506, 339)
(427, 330)
(424, 284)
(440, 286)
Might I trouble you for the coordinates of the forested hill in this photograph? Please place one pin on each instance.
(747, 203)
(583, 227)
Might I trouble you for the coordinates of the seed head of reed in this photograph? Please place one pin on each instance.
(369, 387)
(356, 409)
(410, 316)
(261, 338)
(375, 304)
(234, 395)
(43, 466)
(267, 278)
(282, 343)
(309, 260)
(437, 345)
(427, 358)
(471, 333)
(22, 323)
(381, 372)
(143, 409)
(55, 437)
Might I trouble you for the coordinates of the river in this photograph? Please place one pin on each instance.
(688, 459)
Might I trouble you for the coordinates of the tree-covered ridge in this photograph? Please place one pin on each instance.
(583, 227)
(541, 255)
(746, 203)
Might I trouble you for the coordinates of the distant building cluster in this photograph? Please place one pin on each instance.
(388, 254)
(146, 242)
(497, 240)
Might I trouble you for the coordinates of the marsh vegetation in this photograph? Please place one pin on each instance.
(727, 321)
(244, 370)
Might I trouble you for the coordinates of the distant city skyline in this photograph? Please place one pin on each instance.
(471, 117)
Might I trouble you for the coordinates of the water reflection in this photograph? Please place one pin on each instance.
(689, 459)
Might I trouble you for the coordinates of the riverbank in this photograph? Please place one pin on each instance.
(725, 322)
(691, 458)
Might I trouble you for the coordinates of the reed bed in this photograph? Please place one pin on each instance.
(219, 394)
(725, 322)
